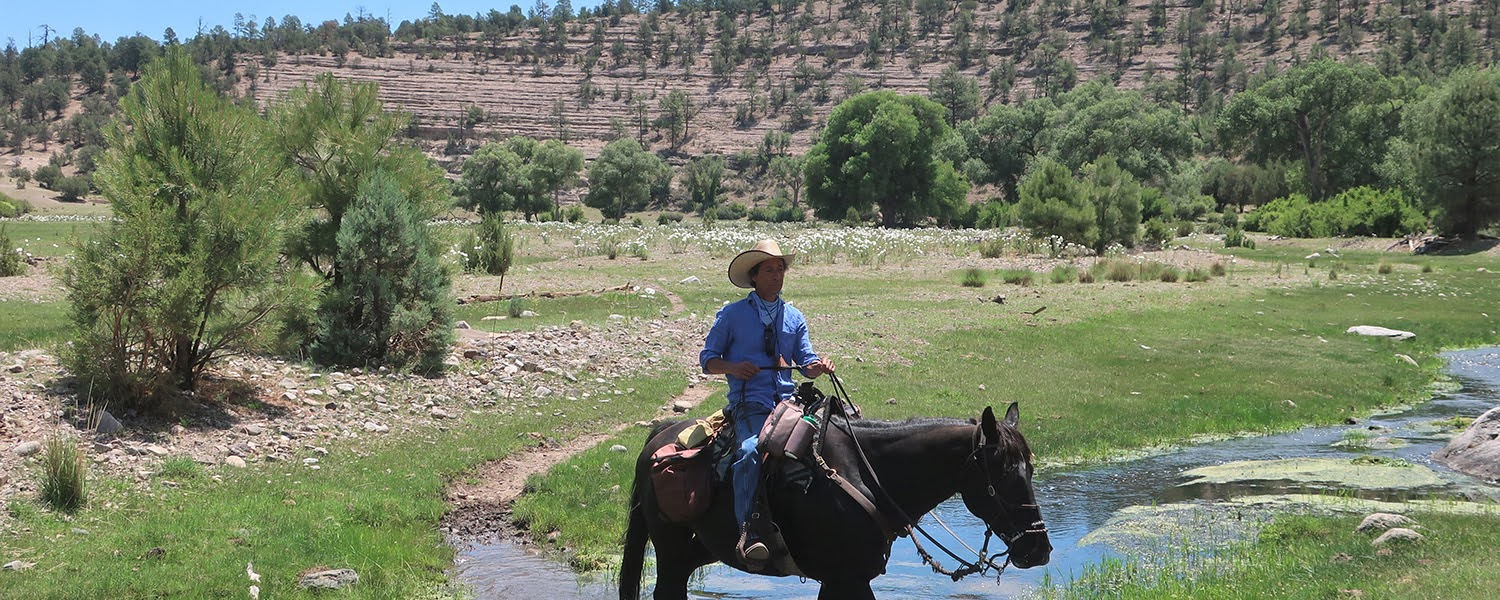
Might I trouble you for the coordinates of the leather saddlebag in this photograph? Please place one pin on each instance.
(683, 480)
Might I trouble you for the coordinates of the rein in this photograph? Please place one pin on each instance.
(976, 456)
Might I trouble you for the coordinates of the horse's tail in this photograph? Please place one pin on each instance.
(634, 559)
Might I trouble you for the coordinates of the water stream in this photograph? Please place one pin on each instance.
(1075, 503)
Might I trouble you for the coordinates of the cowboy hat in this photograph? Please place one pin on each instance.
(739, 268)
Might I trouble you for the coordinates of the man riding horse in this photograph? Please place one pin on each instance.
(747, 338)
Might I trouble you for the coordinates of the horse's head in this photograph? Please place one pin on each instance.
(996, 486)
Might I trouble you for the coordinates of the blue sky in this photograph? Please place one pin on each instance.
(111, 19)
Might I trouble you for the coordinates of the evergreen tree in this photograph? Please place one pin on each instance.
(393, 305)
(1453, 137)
(191, 271)
(1052, 205)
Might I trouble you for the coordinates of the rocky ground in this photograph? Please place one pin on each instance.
(256, 409)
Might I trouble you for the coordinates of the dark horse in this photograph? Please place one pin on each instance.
(918, 463)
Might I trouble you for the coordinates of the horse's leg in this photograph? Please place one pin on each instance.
(846, 589)
(677, 556)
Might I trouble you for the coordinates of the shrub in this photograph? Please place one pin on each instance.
(491, 249)
(1063, 274)
(730, 211)
(11, 208)
(1196, 275)
(73, 189)
(516, 307)
(1085, 276)
(1358, 211)
(992, 247)
(1184, 228)
(1115, 270)
(1157, 232)
(1169, 275)
(48, 176)
(392, 305)
(1150, 270)
(1427, 267)
(64, 475)
(21, 175)
(1021, 277)
(667, 218)
(1217, 269)
(1384, 268)
(995, 214)
(11, 261)
(1237, 238)
(179, 468)
(973, 278)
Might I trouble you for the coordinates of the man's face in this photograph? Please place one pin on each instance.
(769, 277)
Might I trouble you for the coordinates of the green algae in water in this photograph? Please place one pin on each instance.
(1343, 473)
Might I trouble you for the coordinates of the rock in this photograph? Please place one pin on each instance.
(437, 412)
(1383, 521)
(462, 325)
(681, 406)
(27, 448)
(1399, 534)
(16, 368)
(529, 314)
(471, 354)
(374, 427)
(493, 318)
(1372, 330)
(1409, 360)
(314, 392)
(108, 424)
(617, 448)
(17, 565)
(690, 279)
(332, 579)
(616, 317)
(1476, 451)
(344, 387)
(235, 461)
(241, 449)
(252, 429)
(156, 450)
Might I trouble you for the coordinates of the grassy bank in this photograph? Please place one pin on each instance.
(1322, 557)
(373, 508)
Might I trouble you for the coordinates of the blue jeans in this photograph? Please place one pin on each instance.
(749, 417)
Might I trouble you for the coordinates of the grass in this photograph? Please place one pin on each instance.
(64, 475)
(49, 238)
(1300, 556)
(973, 277)
(375, 511)
(33, 324)
(562, 311)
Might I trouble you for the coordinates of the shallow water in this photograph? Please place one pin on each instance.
(1075, 502)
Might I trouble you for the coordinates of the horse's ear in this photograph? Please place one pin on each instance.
(988, 426)
(1012, 414)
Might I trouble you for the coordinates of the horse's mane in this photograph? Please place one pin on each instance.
(879, 431)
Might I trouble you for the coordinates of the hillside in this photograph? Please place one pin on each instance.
(794, 66)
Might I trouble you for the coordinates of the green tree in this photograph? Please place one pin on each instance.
(1053, 205)
(877, 150)
(621, 179)
(334, 134)
(1116, 198)
(553, 167)
(676, 115)
(1007, 140)
(703, 179)
(957, 93)
(393, 304)
(1454, 137)
(191, 270)
(787, 171)
(1096, 120)
(1335, 119)
(493, 179)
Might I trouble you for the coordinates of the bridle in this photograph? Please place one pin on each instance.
(979, 457)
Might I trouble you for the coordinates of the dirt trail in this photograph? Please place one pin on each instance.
(482, 510)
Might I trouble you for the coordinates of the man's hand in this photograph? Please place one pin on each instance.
(743, 370)
(817, 368)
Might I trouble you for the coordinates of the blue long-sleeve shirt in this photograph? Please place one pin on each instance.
(738, 335)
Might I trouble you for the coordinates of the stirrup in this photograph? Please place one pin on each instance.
(754, 553)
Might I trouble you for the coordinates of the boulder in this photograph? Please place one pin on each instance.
(1476, 451)
(331, 579)
(1399, 534)
(1383, 521)
(27, 448)
(1375, 331)
(108, 424)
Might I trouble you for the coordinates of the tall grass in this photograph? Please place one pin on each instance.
(1021, 277)
(1063, 274)
(973, 277)
(64, 474)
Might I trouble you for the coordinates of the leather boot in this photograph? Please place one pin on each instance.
(752, 551)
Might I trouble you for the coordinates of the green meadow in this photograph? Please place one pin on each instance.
(1101, 370)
